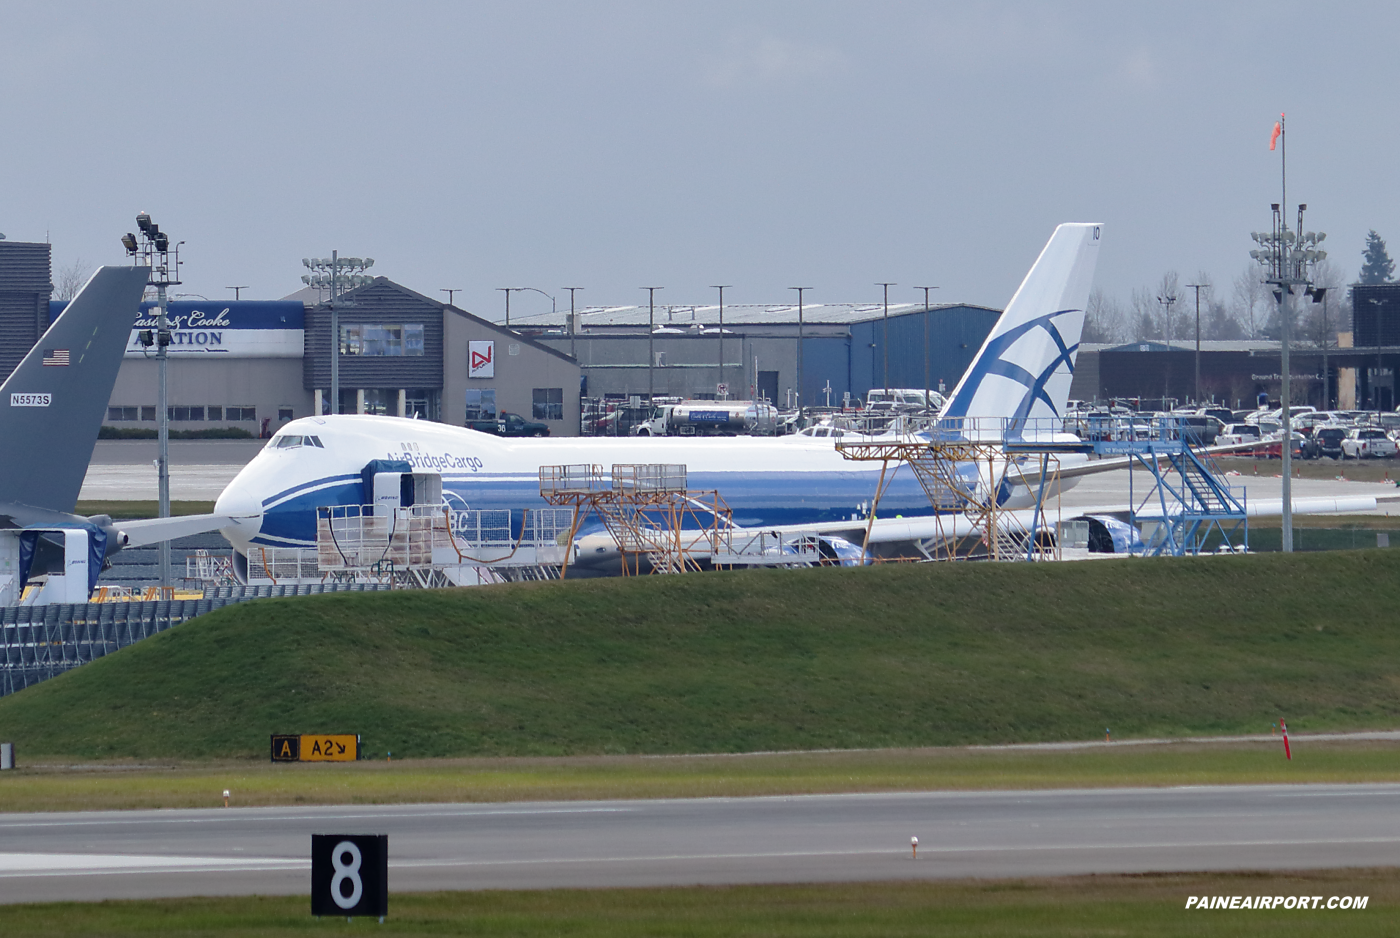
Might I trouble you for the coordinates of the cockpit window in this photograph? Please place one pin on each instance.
(289, 441)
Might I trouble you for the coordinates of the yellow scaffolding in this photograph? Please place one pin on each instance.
(967, 482)
(645, 507)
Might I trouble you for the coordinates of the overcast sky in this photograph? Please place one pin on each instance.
(611, 145)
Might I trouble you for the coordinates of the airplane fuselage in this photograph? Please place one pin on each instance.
(767, 482)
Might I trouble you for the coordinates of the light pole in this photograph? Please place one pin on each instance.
(1287, 258)
(1373, 392)
(1167, 302)
(154, 249)
(1197, 288)
(651, 341)
(801, 401)
(1319, 295)
(573, 324)
(928, 396)
(336, 274)
(721, 287)
(885, 377)
(508, 291)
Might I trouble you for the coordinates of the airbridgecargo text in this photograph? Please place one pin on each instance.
(438, 463)
(1277, 902)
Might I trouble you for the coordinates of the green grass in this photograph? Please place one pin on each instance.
(140, 509)
(124, 786)
(1152, 906)
(880, 657)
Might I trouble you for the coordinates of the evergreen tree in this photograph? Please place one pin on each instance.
(1378, 267)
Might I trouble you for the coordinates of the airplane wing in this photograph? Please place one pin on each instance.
(155, 530)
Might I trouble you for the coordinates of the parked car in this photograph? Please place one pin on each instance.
(1368, 441)
(1238, 433)
(508, 424)
(1326, 440)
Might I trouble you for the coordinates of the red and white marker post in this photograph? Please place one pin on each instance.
(1287, 752)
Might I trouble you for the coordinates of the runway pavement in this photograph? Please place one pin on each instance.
(89, 856)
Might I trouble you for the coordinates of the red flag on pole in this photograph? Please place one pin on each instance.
(1288, 753)
(1273, 137)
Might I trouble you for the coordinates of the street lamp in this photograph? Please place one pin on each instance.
(651, 341)
(1319, 295)
(801, 401)
(553, 306)
(573, 324)
(1167, 303)
(886, 375)
(721, 287)
(928, 396)
(336, 274)
(153, 250)
(1197, 288)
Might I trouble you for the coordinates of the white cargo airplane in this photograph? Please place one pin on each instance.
(1019, 381)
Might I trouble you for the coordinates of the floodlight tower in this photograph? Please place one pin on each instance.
(333, 276)
(1288, 258)
(152, 248)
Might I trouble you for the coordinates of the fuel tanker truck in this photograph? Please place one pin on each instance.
(711, 418)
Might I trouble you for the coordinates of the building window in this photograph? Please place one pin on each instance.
(381, 401)
(122, 413)
(216, 412)
(381, 339)
(548, 403)
(148, 413)
(481, 403)
(186, 413)
(283, 413)
(240, 413)
(423, 403)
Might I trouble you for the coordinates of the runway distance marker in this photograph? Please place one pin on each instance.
(350, 875)
(307, 747)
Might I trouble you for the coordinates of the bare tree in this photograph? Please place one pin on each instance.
(1103, 319)
(1146, 315)
(70, 280)
(1249, 295)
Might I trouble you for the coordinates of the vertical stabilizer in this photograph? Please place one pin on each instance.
(1024, 369)
(52, 405)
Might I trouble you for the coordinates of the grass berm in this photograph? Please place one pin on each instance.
(908, 655)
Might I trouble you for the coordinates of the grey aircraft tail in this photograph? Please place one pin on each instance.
(53, 404)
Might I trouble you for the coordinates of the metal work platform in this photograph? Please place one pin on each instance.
(968, 469)
(652, 516)
(1183, 503)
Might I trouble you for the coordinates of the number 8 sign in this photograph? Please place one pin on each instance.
(350, 874)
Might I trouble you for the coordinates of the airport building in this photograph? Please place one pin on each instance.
(256, 364)
(820, 355)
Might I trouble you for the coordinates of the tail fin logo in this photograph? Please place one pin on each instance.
(1025, 367)
(991, 362)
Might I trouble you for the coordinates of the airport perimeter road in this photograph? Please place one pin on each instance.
(721, 840)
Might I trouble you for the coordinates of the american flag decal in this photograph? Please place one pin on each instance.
(56, 356)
